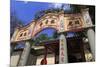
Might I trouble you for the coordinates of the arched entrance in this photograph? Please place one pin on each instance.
(70, 48)
(45, 39)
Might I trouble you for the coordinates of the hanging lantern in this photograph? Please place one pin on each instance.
(44, 60)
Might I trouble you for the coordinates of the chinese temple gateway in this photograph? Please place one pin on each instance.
(76, 41)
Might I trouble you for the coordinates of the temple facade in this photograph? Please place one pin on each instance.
(78, 47)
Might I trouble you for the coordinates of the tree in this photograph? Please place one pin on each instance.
(41, 37)
(55, 35)
(76, 8)
(92, 13)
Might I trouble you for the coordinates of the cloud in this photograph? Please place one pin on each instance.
(66, 7)
(60, 5)
(55, 5)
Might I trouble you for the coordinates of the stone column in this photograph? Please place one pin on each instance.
(91, 38)
(25, 54)
(90, 32)
(63, 56)
(12, 46)
(13, 38)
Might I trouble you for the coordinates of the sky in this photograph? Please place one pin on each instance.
(25, 11)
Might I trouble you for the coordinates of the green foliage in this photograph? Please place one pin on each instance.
(73, 9)
(39, 14)
(44, 37)
(40, 38)
(55, 35)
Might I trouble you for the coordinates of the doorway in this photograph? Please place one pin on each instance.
(75, 50)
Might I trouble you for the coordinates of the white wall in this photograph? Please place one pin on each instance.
(14, 60)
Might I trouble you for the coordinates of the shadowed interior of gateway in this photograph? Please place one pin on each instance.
(75, 46)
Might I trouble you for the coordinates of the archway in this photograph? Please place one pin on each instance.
(45, 38)
(63, 23)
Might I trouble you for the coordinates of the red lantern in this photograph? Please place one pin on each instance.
(44, 61)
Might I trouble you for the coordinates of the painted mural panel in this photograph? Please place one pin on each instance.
(23, 33)
(86, 18)
(47, 21)
(62, 23)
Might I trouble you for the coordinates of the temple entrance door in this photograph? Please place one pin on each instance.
(75, 50)
(52, 51)
(50, 54)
